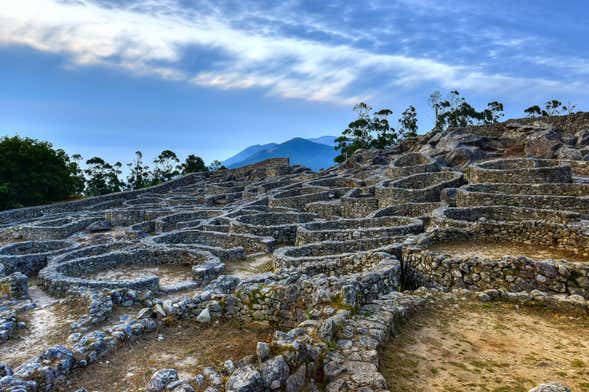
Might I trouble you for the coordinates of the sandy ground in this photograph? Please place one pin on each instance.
(472, 346)
(186, 347)
(249, 267)
(496, 250)
(168, 273)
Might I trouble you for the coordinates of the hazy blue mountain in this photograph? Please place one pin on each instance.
(251, 150)
(300, 152)
(328, 140)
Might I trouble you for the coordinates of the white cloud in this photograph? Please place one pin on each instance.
(150, 38)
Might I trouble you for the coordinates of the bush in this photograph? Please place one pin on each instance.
(32, 172)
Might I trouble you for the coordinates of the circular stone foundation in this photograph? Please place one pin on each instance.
(520, 170)
(361, 228)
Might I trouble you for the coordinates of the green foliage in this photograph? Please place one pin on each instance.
(193, 164)
(367, 131)
(33, 172)
(102, 177)
(408, 122)
(551, 108)
(216, 165)
(167, 167)
(139, 174)
(455, 111)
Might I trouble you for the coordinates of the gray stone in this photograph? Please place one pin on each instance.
(160, 380)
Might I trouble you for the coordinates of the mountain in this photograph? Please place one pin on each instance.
(300, 152)
(328, 140)
(251, 150)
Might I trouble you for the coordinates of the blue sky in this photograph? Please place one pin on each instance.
(108, 77)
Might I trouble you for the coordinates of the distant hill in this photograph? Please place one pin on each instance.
(251, 150)
(328, 140)
(300, 152)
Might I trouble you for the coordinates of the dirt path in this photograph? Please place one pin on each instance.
(487, 347)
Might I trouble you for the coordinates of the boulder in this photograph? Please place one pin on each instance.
(275, 371)
(160, 380)
(543, 144)
(245, 379)
(551, 387)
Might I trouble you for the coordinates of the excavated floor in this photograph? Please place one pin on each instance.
(250, 267)
(186, 347)
(476, 346)
(496, 250)
(169, 274)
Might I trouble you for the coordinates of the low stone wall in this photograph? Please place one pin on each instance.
(424, 187)
(297, 198)
(59, 278)
(512, 273)
(325, 252)
(30, 257)
(281, 226)
(360, 228)
(170, 222)
(358, 203)
(325, 209)
(411, 163)
(467, 216)
(519, 170)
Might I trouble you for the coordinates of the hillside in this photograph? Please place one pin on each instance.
(300, 152)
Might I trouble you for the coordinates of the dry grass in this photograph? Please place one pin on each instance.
(487, 347)
(186, 347)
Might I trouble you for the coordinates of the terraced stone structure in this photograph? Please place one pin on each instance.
(331, 262)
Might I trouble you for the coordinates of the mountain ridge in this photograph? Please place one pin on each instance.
(307, 152)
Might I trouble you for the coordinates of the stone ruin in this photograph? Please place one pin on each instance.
(347, 246)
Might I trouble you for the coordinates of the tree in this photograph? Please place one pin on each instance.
(139, 174)
(366, 132)
(455, 111)
(193, 164)
(102, 177)
(167, 167)
(216, 165)
(551, 108)
(408, 122)
(533, 111)
(32, 172)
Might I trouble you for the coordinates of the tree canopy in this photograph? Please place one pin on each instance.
(32, 172)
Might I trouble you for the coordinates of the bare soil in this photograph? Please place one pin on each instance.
(496, 250)
(499, 347)
(186, 347)
(169, 274)
(250, 267)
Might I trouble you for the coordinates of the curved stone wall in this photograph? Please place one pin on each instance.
(424, 187)
(520, 170)
(360, 228)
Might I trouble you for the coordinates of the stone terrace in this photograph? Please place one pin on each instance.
(335, 260)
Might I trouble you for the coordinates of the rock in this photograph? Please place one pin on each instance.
(101, 225)
(212, 376)
(582, 137)
(245, 379)
(262, 351)
(296, 381)
(275, 371)
(204, 316)
(5, 370)
(228, 366)
(160, 380)
(180, 386)
(569, 153)
(543, 144)
(551, 387)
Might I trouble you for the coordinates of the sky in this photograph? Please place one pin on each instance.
(109, 77)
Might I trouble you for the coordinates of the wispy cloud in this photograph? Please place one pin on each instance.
(152, 37)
